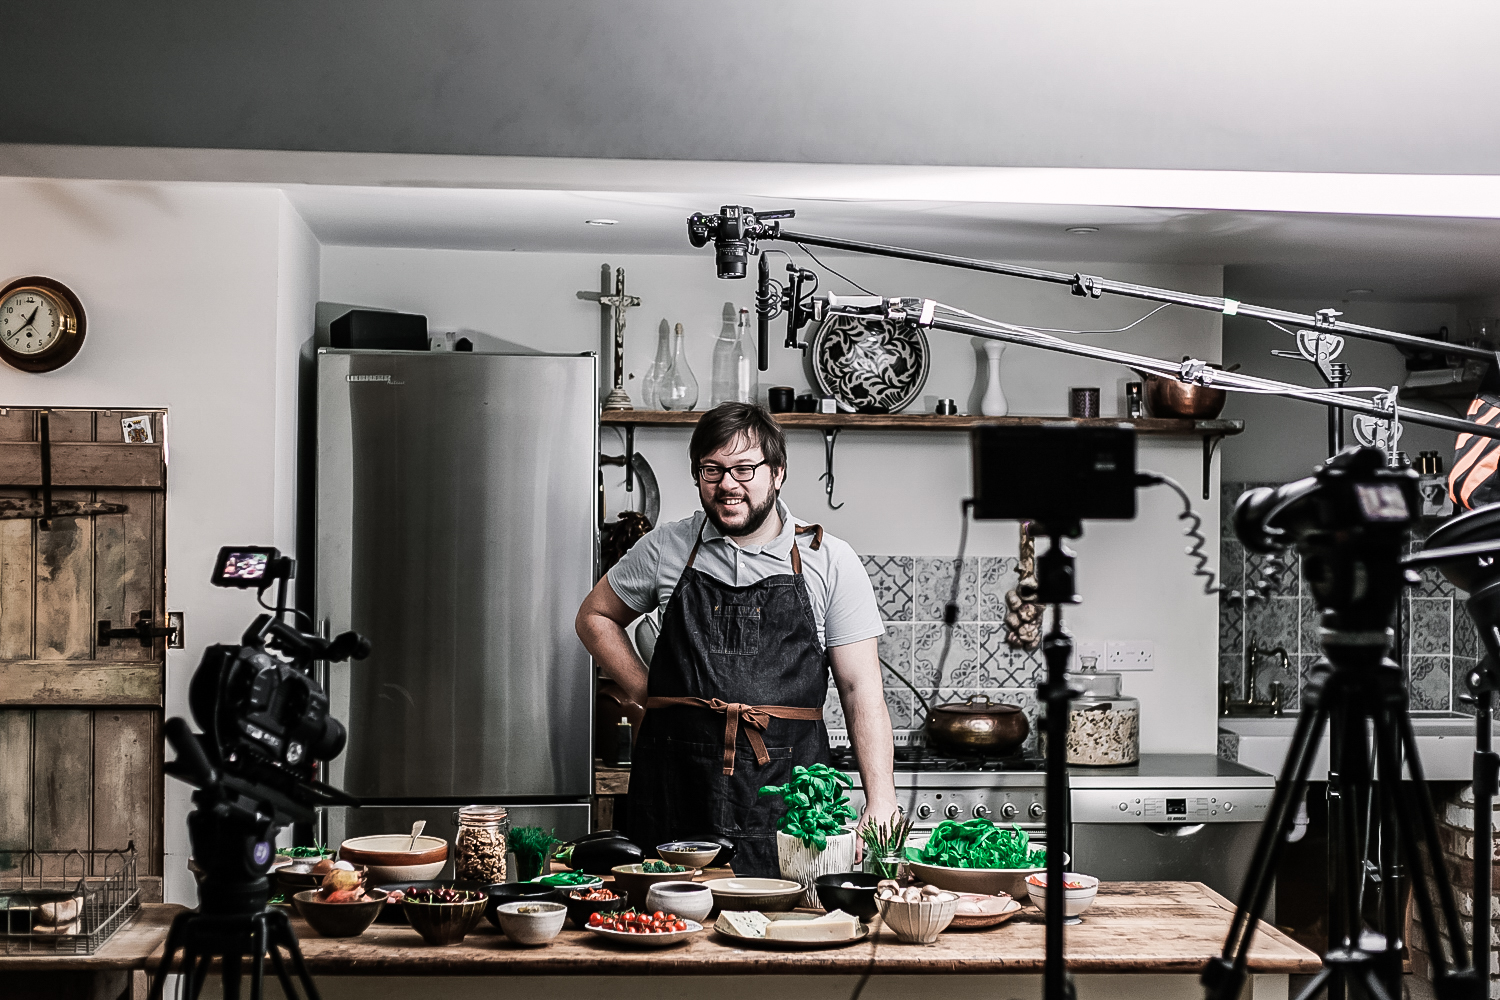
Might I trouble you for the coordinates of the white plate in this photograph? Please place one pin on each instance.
(650, 940)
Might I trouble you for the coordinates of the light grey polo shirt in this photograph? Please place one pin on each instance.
(843, 602)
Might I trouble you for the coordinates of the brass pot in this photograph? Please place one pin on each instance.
(991, 728)
(1167, 397)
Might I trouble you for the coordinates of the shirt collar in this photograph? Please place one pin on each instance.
(781, 545)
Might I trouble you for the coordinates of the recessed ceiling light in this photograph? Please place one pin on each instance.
(1081, 230)
(601, 222)
(1359, 291)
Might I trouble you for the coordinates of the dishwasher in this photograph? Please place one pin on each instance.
(1169, 817)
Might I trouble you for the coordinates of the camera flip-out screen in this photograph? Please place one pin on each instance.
(1054, 472)
(246, 566)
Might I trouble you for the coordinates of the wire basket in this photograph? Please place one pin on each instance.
(50, 904)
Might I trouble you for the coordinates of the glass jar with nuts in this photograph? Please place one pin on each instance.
(481, 844)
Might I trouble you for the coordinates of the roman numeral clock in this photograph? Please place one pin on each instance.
(41, 324)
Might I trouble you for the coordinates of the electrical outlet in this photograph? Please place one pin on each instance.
(1129, 655)
(1087, 647)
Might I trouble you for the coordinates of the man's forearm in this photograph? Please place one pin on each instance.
(869, 724)
(615, 654)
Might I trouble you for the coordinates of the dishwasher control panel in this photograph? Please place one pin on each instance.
(1170, 805)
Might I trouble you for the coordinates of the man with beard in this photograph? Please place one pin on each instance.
(759, 606)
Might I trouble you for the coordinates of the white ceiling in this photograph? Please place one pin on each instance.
(1268, 255)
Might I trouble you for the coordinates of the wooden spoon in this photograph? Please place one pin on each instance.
(416, 830)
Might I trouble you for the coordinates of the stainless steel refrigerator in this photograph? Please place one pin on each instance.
(455, 511)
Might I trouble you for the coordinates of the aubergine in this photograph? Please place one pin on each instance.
(599, 856)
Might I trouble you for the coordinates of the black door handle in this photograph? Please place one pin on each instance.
(142, 630)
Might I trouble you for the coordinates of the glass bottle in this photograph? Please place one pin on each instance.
(483, 835)
(660, 370)
(680, 390)
(747, 370)
(733, 379)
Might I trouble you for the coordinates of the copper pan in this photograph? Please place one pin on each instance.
(1167, 397)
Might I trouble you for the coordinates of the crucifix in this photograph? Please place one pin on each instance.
(612, 307)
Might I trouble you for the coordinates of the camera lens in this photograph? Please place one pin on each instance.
(732, 256)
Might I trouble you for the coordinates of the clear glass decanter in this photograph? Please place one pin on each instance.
(734, 378)
(680, 390)
(660, 371)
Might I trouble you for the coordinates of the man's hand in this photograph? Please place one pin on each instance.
(601, 625)
(856, 673)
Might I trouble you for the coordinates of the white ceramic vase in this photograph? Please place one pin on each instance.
(993, 404)
(801, 863)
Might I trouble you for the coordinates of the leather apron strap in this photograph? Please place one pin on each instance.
(755, 717)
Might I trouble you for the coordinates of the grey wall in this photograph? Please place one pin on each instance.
(1275, 85)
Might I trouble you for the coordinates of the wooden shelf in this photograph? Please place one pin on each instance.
(927, 422)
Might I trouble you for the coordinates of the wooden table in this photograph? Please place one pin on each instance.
(1146, 939)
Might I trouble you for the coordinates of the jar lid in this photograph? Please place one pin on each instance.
(481, 814)
(1106, 684)
(986, 707)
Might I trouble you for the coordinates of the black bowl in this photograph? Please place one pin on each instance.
(579, 909)
(392, 912)
(510, 892)
(860, 902)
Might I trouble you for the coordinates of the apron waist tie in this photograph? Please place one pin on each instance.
(755, 717)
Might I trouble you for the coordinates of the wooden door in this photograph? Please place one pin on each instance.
(80, 720)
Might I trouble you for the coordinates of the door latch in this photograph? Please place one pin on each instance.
(142, 630)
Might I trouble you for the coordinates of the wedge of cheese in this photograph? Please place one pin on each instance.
(746, 923)
(835, 925)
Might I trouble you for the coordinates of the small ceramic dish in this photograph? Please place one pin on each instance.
(976, 911)
(689, 900)
(634, 882)
(392, 914)
(444, 924)
(531, 922)
(918, 922)
(338, 920)
(513, 892)
(852, 892)
(650, 940)
(693, 853)
(1075, 901)
(580, 909)
(768, 895)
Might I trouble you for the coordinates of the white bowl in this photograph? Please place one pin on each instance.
(531, 921)
(689, 900)
(1075, 901)
(388, 859)
(386, 874)
(920, 922)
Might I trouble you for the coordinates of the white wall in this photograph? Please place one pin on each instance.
(1284, 438)
(901, 490)
(189, 298)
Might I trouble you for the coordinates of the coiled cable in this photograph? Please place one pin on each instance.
(1195, 551)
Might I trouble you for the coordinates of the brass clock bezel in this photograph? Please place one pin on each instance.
(69, 340)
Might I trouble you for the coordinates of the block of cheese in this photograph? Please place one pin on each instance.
(835, 925)
(746, 923)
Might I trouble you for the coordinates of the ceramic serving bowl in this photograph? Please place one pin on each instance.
(689, 900)
(857, 898)
(1075, 901)
(693, 853)
(392, 914)
(920, 922)
(634, 882)
(338, 920)
(580, 909)
(981, 881)
(500, 893)
(388, 859)
(768, 895)
(444, 924)
(531, 922)
(555, 880)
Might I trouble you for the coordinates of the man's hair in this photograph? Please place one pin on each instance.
(732, 421)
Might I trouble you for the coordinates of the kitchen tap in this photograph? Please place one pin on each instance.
(1252, 705)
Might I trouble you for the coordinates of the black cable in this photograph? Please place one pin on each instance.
(296, 611)
(950, 610)
(831, 270)
(1195, 551)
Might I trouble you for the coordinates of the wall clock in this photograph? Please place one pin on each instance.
(41, 324)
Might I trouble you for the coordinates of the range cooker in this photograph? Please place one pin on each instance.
(1179, 817)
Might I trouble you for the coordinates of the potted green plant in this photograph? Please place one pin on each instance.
(813, 837)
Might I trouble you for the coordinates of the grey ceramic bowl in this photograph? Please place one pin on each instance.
(338, 920)
(769, 895)
(689, 900)
(579, 909)
(444, 924)
(531, 922)
(693, 853)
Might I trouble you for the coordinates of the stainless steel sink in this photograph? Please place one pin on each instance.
(1445, 742)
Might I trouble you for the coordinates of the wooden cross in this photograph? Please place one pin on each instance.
(613, 308)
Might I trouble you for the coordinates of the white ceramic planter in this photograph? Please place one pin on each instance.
(803, 864)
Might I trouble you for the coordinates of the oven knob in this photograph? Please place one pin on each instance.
(1229, 807)
(900, 809)
(952, 811)
(1008, 811)
(1035, 810)
(982, 810)
(924, 810)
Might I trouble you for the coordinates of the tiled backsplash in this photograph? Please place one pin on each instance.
(1438, 641)
(912, 592)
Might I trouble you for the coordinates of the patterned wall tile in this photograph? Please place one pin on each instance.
(1231, 564)
(1270, 670)
(1231, 672)
(1231, 627)
(927, 647)
(1465, 635)
(1462, 665)
(1229, 745)
(892, 577)
(833, 709)
(1429, 685)
(1273, 622)
(1433, 584)
(1310, 619)
(934, 586)
(905, 713)
(895, 649)
(1431, 625)
(1229, 495)
(1277, 571)
(1000, 666)
(997, 574)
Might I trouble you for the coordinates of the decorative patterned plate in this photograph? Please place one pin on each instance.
(868, 363)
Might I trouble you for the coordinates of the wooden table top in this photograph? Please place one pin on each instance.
(1133, 927)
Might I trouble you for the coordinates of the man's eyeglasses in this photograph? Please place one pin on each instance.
(741, 473)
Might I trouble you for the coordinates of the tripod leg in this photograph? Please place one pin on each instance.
(1224, 977)
(287, 988)
(230, 977)
(174, 941)
(1376, 990)
(1318, 982)
(281, 928)
(258, 956)
(1391, 884)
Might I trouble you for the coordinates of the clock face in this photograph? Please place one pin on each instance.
(30, 321)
